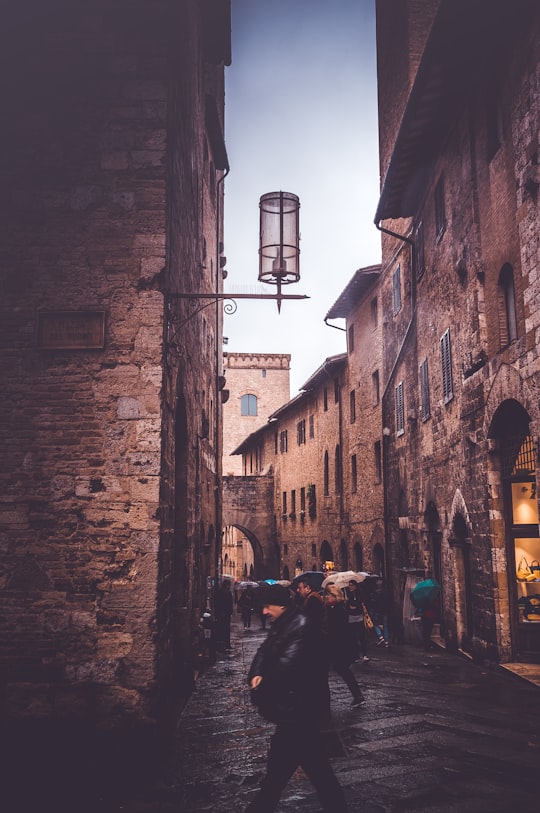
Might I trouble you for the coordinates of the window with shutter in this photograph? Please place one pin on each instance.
(396, 289)
(424, 390)
(400, 409)
(506, 306)
(446, 361)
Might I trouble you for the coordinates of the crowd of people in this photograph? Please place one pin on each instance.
(314, 629)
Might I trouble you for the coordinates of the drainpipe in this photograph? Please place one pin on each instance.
(217, 405)
(386, 430)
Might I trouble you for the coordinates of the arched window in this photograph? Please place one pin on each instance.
(248, 405)
(507, 306)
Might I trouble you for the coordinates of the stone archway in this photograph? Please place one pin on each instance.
(248, 506)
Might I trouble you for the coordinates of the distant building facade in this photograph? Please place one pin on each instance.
(111, 212)
(257, 383)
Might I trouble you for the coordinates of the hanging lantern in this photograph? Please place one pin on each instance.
(279, 246)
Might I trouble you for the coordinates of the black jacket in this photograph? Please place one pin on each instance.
(293, 665)
(342, 644)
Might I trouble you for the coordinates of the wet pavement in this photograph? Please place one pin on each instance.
(438, 734)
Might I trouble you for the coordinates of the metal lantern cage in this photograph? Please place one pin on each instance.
(279, 246)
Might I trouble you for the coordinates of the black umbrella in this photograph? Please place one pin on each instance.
(314, 577)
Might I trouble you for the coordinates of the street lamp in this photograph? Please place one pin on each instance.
(279, 251)
(279, 240)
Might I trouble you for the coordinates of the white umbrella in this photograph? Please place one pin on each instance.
(343, 577)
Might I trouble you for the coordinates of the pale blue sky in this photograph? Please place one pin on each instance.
(301, 116)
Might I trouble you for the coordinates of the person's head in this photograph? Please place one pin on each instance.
(275, 599)
(304, 588)
(332, 594)
(353, 585)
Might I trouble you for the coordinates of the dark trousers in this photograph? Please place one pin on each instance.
(360, 634)
(293, 745)
(346, 674)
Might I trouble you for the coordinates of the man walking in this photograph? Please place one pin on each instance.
(287, 680)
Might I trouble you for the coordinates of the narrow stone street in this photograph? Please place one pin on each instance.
(438, 734)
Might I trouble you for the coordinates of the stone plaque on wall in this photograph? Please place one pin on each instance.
(71, 330)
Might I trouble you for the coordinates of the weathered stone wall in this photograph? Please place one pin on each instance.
(443, 469)
(91, 534)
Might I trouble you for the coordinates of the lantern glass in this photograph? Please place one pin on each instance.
(279, 246)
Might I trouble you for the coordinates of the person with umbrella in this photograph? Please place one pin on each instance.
(287, 679)
(342, 647)
(426, 598)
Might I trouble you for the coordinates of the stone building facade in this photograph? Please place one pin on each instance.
(459, 290)
(112, 191)
(258, 383)
(449, 376)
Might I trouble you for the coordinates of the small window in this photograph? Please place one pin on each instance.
(283, 441)
(311, 427)
(424, 390)
(446, 361)
(336, 390)
(293, 501)
(351, 338)
(325, 399)
(378, 461)
(396, 290)
(284, 502)
(419, 250)
(301, 432)
(263, 373)
(374, 312)
(375, 387)
(506, 303)
(302, 499)
(440, 209)
(248, 405)
(352, 400)
(400, 409)
(354, 474)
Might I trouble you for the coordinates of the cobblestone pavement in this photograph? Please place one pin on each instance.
(438, 734)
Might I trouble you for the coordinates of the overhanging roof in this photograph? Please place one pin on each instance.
(465, 39)
(354, 292)
(329, 366)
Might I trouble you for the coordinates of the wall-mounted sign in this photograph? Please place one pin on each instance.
(71, 330)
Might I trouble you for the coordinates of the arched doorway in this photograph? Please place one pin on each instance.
(433, 562)
(327, 556)
(461, 542)
(517, 466)
(343, 556)
(378, 559)
(358, 557)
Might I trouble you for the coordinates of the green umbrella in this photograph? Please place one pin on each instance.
(425, 592)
